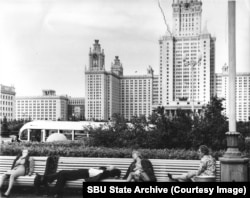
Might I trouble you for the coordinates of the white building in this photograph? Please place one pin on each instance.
(101, 87)
(111, 92)
(181, 84)
(242, 93)
(7, 102)
(49, 106)
(136, 95)
(76, 108)
(187, 58)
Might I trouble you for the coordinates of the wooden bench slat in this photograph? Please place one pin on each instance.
(39, 167)
(161, 167)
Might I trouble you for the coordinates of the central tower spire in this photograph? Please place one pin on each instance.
(96, 57)
(187, 17)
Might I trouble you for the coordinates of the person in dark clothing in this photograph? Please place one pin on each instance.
(22, 165)
(89, 175)
(140, 170)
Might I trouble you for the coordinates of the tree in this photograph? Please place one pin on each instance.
(4, 128)
(180, 127)
(179, 131)
(210, 128)
(14, 126)
(159, 118)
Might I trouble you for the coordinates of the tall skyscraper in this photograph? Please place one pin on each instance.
(111, 92)
(102, 88)
(186, 72)
(182, 76)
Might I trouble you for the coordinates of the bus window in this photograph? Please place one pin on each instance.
(79, 135)
(24, 135)
(67, 133)
(35, 135)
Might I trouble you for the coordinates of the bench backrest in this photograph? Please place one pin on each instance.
(161, 166)
(69, 163)
(6, 163)
(178, 167)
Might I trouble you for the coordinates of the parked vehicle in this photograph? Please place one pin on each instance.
(40, 130)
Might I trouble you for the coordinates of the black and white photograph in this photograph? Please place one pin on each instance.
(123, 91)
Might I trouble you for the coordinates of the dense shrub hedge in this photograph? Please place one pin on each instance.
(78, 149)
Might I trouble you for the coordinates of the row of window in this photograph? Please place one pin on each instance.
(6, 114)
(35, 114)
(6, 108)
(35, 105)
(6, 103)
(35, 101)
(7, 97)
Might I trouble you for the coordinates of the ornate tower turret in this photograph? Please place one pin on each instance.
(96, 57)
(187, 17)
(116, 67)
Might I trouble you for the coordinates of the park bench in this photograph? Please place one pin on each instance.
(39, 167)
(161, 167)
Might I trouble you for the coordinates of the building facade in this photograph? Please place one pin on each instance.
(179, 78)
(110, 92)
(7, 102)
(136, 95)
(242, 93)
(187, 59)
(101, 87)
(49, 106)
(76, 108)
(186, 77)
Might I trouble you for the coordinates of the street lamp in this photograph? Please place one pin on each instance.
(192, 63)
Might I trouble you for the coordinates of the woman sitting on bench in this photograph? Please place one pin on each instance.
(140, 170)
(22, 165)
(206, 168)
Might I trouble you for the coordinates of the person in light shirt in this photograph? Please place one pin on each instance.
(89, 175)
(22, 165)
(206, 168)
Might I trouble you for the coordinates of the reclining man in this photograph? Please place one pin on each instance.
(89, 175)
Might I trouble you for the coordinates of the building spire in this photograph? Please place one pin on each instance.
(116, 67)
(96, 57)
(187, 17)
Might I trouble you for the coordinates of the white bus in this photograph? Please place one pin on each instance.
(40, 130)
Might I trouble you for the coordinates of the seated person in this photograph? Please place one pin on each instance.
(140, 169)
(22, 165)
(206, 168)
(89, 175)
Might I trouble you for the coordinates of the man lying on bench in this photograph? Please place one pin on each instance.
(89, 175)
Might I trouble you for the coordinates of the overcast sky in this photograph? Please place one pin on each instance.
(44, 44)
